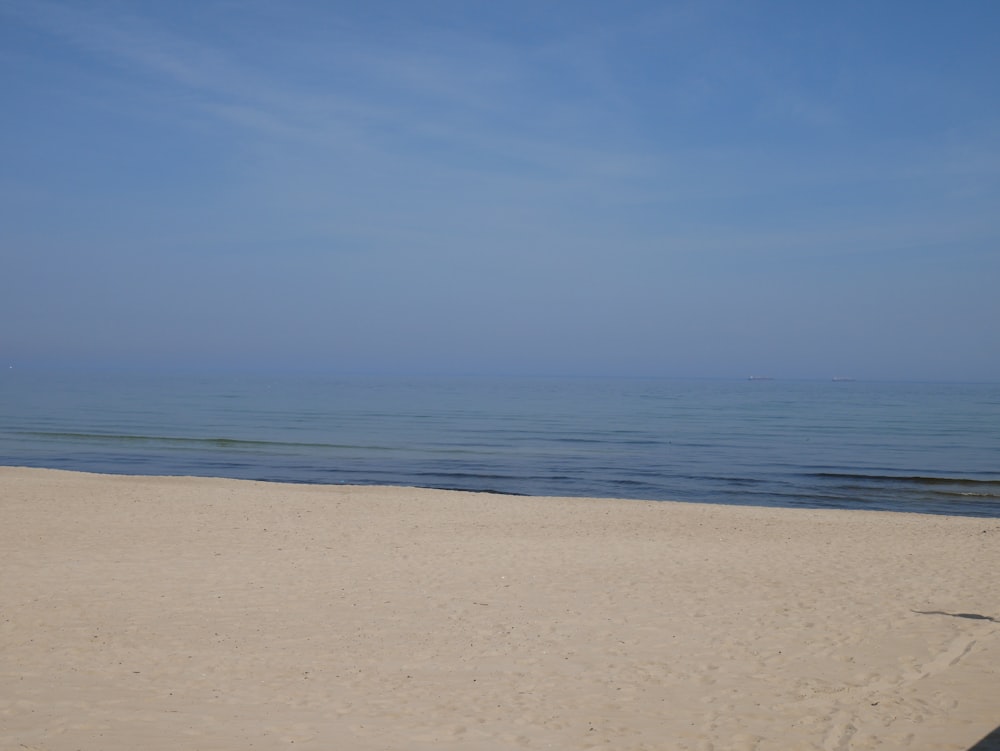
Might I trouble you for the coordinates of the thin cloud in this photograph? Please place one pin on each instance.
(478, 113)
(452, 94)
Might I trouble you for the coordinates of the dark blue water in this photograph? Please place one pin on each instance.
(891, 446)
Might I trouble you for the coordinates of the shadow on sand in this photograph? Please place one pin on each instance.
(969, 616)
(990, 743)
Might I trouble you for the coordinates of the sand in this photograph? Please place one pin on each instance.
(188, 613)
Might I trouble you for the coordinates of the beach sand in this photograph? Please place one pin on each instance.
(189, 613)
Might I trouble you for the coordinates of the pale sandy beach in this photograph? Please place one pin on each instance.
(183, 613)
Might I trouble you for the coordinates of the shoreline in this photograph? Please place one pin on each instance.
(189, 612)
(801, 445)
(922, 509)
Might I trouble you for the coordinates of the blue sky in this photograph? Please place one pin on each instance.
(590, 188)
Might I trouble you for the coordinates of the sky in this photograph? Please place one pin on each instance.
(632, 188)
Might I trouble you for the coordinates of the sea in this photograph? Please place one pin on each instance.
(907, 447)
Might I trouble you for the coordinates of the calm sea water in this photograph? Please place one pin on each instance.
(891, 446)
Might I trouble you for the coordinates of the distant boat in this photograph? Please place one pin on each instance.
(760, 378)
(842, 379)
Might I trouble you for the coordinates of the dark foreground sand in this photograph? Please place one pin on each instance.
(179, 613)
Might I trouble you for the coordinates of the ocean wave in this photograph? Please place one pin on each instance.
(908, 479)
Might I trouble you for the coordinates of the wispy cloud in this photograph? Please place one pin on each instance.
(443, 88)
(564, 115)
